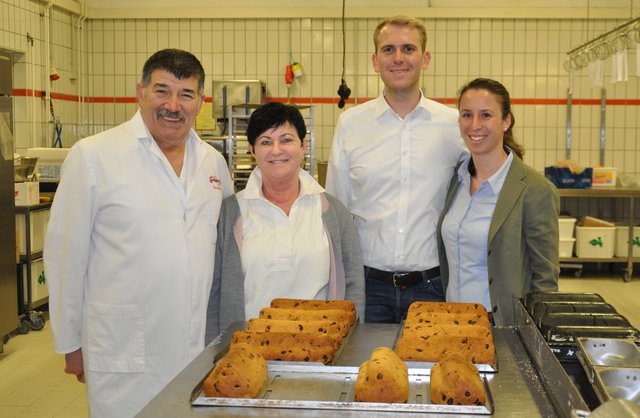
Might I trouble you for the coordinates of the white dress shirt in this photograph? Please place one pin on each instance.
(393, 174)
(465, 233)
(279, 251)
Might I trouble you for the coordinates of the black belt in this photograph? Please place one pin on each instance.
(403, 278)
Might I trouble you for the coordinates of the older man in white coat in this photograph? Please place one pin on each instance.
(129, 253)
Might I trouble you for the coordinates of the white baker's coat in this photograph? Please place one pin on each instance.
(129, 259)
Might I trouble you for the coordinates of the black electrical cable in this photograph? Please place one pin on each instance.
(343, 90)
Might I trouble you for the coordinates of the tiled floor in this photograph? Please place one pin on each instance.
(33, 384)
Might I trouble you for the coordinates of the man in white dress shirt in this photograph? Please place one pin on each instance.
(391, 162)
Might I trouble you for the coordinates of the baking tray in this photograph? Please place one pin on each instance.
(607, 352)
(314, 386)
(541, 309)
(563, 339)
(618, 383)
(553, 321)
(536, 297)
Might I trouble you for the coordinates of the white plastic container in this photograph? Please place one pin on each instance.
(604, 177)
(566, 226)
(595, 242)
(566, 247)
(622, 239)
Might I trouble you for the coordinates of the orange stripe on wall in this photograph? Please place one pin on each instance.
(328, 100)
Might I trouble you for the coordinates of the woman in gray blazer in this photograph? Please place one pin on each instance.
(498, 232)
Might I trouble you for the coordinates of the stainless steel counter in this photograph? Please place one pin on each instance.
(517, 389)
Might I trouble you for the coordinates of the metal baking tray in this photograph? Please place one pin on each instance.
(541, 309)
(536, 297)
(313, 386)
(607, 352)
(617, 382)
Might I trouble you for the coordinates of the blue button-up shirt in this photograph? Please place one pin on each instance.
(465, 232)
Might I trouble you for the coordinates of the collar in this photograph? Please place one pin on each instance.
(495, 181)
(382, 106)
(144, 135)
(308, 185)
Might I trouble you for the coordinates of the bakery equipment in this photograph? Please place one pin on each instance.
(617, 382)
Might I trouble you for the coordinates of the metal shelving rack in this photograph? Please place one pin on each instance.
(627, 193)
(240, 160)
(28, 298)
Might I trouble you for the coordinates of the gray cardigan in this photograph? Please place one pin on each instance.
(523, 239)
(226, 303)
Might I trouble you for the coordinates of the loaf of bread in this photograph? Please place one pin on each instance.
(241, 373)
(382, 378)
(284, 325)
(312, 304)
(456, 381)
(441, 318)
(291, 347)
(334, 315)
(433, 348)
(446, 307)
(422, 329)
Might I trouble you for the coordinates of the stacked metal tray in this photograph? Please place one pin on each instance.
(564, 317)
(612, 366)
(314, 386)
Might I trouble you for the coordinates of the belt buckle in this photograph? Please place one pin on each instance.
(398, 275)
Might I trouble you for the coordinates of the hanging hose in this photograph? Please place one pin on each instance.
(57, 128)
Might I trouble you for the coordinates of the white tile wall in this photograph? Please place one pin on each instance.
(525, 54)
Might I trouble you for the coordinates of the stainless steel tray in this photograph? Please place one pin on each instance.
(312, 386)
(607, 352)
(617, 382)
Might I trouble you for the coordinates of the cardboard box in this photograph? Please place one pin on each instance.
(27, 193)
(595, 242)
(595, 222)
(566, 226)
(566, 247)
(604, 176)
(622, 241)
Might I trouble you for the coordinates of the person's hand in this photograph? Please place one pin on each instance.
(74, 364)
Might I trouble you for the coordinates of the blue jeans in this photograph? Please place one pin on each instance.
(387, 304)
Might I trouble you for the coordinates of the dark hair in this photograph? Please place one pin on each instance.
(181, 64)
(502, 95)
(273, 115)
(400, 20)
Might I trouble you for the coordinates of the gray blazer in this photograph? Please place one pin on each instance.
(226, 302)
(523, 239)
